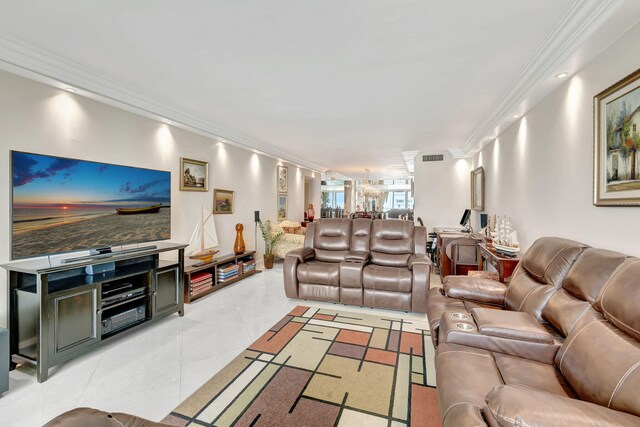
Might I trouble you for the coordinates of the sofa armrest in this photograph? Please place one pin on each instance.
(475, 289)
(96, 417)
(358, 256)
(524, 406)
(290, 269)
(421, 279)
(303, 254)
(514, 325)
(416, 259)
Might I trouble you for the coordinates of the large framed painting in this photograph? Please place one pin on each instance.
(282, 207)
(194, 175)
(283, 179)
(616, 112)
(222, 201)
(477, 189)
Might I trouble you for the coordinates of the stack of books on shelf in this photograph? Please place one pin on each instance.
(248, 266)
(200, 282)
(227, 272)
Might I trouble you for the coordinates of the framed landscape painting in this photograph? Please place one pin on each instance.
(282, 207)
(194, 175)
(283, 179)
(617, 144)
(477, 189)
(222, 201)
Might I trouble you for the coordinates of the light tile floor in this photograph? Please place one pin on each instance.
(148, 372)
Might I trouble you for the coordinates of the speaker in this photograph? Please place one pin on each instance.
(256, 216)
(484, 219)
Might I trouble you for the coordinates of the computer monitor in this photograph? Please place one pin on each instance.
(466, 216)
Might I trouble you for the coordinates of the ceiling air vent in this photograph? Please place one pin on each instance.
(433, 157)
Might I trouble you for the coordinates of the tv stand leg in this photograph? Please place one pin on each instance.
(181, 313)
(42, 366)
(42, 372)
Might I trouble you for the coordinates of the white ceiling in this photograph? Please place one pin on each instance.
(340, 85)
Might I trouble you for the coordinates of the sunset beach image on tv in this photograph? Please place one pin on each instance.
(62, 205)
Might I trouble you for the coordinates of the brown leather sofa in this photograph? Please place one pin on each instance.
(537, 277)
(505, 367)
(371, 263)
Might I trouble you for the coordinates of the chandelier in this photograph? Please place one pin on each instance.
(369, 187)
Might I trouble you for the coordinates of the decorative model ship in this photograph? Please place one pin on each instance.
(504, 235)
(204, 240)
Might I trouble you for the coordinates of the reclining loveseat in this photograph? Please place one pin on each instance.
(558, 346)
(372, 263)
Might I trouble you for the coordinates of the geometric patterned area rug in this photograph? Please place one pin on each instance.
(322, 367)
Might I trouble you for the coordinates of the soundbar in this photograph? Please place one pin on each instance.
(108, 254)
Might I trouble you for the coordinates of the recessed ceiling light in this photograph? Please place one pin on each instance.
(70, 89)
(561, 75)
(515, 116)
(168, 122)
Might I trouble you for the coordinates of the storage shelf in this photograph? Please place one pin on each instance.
(119, 273)
(212, 268)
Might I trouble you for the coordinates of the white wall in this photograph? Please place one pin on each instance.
(41, 119)
(441, 190)
(540, 170)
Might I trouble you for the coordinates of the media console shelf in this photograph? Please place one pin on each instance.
(58, 312)
(202, 279)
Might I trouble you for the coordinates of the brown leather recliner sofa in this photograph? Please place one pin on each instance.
(536, 277)
(570, 356)
(371, 263)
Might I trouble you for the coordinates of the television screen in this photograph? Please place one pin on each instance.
(62, 205)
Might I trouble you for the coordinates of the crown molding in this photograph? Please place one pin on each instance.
(582, 20)
(38, 64)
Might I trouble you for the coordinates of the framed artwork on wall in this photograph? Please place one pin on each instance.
(282, 207)
(477, 189)
(283, 179)
(616, 134)
(222, 201)
(194, 175)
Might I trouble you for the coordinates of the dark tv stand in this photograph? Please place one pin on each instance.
(58, 312)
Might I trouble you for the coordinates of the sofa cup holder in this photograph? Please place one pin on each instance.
(460, 316)
(464, 326)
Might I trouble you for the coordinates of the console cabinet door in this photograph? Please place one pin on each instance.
(167, 295)
(74, 321)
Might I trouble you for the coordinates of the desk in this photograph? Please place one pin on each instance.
(503, 264)
(442, 260)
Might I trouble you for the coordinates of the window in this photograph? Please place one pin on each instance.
(399, 196)
(333, 197)
(337, 199)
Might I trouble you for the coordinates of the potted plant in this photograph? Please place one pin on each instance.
(270, 240)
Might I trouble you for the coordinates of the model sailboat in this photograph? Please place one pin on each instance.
(204, 240)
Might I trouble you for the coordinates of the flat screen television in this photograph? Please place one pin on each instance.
(63, 205)
(465, 217)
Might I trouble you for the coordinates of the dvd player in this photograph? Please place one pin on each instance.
(120, 293)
